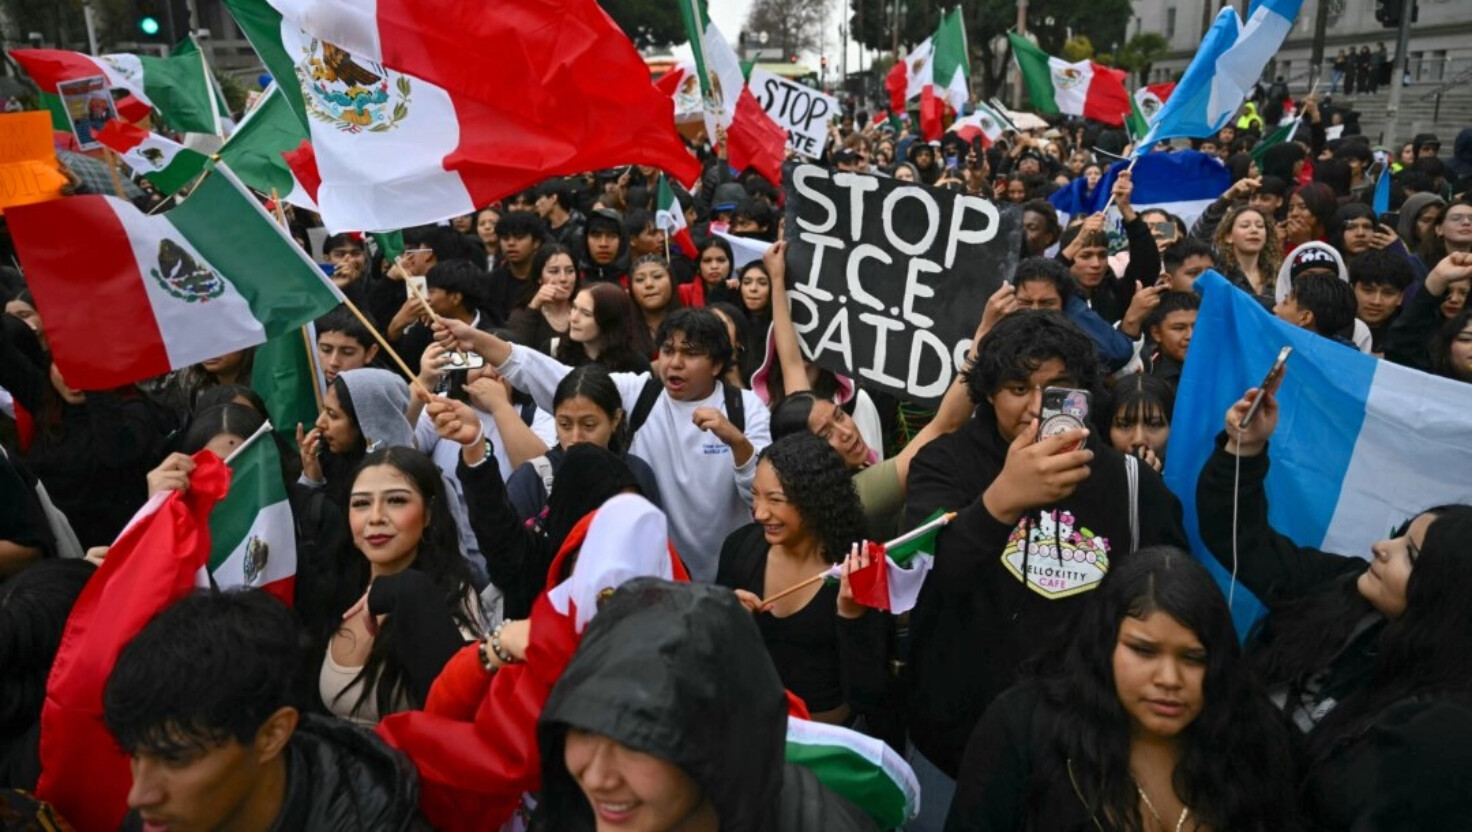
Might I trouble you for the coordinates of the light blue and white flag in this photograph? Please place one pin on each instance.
(1361, 445)
(1228, 64)
(1183, 182)
(1382, 192)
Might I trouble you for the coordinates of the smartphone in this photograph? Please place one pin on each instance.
(1389, 219)
(1269, 384)
(952, 161)
(1064, 409)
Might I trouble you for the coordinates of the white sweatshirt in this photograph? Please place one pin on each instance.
(706, 495)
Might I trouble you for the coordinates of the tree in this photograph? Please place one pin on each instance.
(1078, 48)
(650, 24)
(790, 25)
(59, 22)
(1141, 53)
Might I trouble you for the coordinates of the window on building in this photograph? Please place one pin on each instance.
(1170, 24)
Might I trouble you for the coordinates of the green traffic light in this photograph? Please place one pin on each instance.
(148, 25)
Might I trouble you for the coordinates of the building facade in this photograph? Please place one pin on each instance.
(1440, 45)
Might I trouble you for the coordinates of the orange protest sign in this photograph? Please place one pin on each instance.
(28, 169)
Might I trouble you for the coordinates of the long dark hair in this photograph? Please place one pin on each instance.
(1425, 651)
(623, 340)
(438, 557)
(1234, 770)
(539, 262)
(818, 485)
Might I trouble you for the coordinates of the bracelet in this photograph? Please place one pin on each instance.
(485, 659)
(505, 657)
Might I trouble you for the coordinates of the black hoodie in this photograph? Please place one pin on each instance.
(618, 270)
(679, 671)
(975, 623)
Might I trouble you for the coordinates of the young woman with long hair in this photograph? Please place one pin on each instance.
(1149, 720)
(807, 517)
(713, 281)
(653, 291)
(605, 327)
(756, 302)
(1247, 245)
(1370, 663)
(416, 604)
(1140, 424)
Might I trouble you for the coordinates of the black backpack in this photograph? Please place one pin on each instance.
(735, 406)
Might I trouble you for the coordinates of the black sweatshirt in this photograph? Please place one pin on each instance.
(975, 622)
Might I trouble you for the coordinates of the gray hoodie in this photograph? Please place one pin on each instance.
(1414, 205)
(380, 400)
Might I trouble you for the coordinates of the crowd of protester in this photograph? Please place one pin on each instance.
(594, 409)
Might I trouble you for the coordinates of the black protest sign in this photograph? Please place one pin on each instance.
(888, 279)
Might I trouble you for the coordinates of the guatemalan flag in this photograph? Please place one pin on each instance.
(1183, 183)
(1361, 445)
(1228, 64)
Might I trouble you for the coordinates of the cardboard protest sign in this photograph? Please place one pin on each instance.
(888, 279)
(28, 169)
(88, 104)
(801, 110)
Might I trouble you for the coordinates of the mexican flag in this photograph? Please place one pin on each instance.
(252, 534)
(152, 564)
(897, 569)
(1082, 88)
(254, 150)
(939, 64)
(405, 134)
(167, 164)
(1281, 134)
(1145, 103)
(986, 122)
(284, 373)
(671, 217)
(862, 769)
(179, 87)
(753, 140)
(214, 275)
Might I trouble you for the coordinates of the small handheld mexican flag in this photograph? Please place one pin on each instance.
(897, 569)
(252, 533)
(254, 150)
(669, 216)
(214, 275)
(862, 769)
(166, 163)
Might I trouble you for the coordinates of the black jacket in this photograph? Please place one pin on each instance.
(975, 622)
(341, 777)
(679, 672)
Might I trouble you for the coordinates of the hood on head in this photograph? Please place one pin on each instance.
(680, 672)
(380, 398)
(600, 218)
(1414, 205)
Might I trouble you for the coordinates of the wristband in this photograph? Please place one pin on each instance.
(505, 657)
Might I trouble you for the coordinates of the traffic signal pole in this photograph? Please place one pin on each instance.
(1397, 73)
(91, 28)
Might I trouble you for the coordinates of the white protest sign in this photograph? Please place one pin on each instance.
(802, 110)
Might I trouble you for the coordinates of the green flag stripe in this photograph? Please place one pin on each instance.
(1036, 74)
(282, 373)
(254, 150)
(180, 91)
(924, 544)
(856, 778)
(950, 49)
(186, 165)
(59, 118)
(262, 27)
(255, 482)
(284, 289)
(696, 20)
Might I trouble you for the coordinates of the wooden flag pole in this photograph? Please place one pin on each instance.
(1129, 169)
(117, 177)
(312, 362)
(383, 342)
(918, 531)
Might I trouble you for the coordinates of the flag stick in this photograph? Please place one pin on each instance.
(264, 429)
(112, 169)
(1129, 169)
(383, 342)
(312, 362)
(419, 296)
(914, 533)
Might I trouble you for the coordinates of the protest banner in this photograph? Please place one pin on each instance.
(803, 111)
(888, 279)
(28, 169)
(89, 107)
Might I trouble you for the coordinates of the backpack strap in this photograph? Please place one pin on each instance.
(543, 466)
(645, 403)
(735, 406)
(1132, 473)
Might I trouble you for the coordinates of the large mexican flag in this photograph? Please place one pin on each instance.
(1079, 88)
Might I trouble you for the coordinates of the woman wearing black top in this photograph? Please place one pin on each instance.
(827, 648)
(1370, 663)
(1148, 721)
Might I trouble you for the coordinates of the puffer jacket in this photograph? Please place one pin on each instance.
(341, 778)
(679, 672)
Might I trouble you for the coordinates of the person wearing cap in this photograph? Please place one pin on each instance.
(1426, 145)
(922, 155)
(846, 160)
(604, 255)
